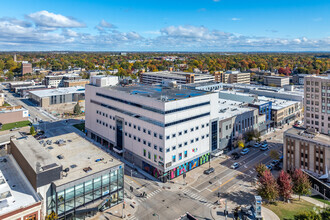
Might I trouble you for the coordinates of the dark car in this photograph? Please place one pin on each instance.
(208, 171)
(235, 156)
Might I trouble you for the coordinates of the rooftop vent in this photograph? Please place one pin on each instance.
(60, 157)
(73, 166)
(87, 169)
(66, 169)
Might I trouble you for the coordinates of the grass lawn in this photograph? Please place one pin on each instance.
(288, 210)
(15, 125)
(320, 198)
(80, 127)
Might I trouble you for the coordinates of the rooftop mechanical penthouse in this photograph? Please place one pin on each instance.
(163, 129)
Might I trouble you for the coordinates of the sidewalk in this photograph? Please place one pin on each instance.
(311, 200)
(116, 212)
(267, 214)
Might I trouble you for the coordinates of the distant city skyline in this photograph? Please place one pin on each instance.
(128, 25)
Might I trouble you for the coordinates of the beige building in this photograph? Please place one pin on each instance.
(73, 83)
(277, 81)
(317, 103)
(26, 68)
(284, 111)
(232, 77)
(13, 114)
(307, 150)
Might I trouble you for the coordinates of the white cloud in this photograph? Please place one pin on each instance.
(103, 26)
(235, 19)
(48, 19)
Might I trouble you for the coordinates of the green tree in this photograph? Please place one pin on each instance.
(261, 168)
(32, 130)
(274, 154)
(301, 183)
(52, 216)
(77, 109)
(311, 215)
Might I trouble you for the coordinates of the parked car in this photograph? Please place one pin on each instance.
(274, 162)
(245, 151)
(208, 171)
(235, 166)
(235, 156)
(269, 167)
(281, 158)
(257, 144)
(277, 167)
(264, 147)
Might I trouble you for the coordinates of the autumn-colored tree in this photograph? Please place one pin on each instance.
(261, 168)
(301, 183)
(268, 188)
(274, 154)
(284, 185)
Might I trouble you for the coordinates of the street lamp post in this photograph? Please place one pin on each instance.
(155, 214)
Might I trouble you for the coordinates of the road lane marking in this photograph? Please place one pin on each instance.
(135, 181)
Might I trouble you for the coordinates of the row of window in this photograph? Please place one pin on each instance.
(137, 127)
(105, 114)
(185, 154)
(186, 143)
(138, 139)
(105, 124)
(155, 158)
(196, 128)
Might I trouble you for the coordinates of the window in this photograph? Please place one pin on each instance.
(167, 137)
(129, 124)
(185, 131)
(180, 156)
(168, 150)
(125, 122)
(173, 135)
(192, 141)
(160, 137)
(144, 152)
(149, 155)
(203, 125)
(180, 145)
(155, 157)
(185, 143)
(180, 133)
(155, 147)
(203, 136)
(196, 128)
(191, 129)
(134, 126)
(129, 135)
(207, 135)
(185, 154)
(160, 149)
(139, 139)
(207, 124)
(125, 133)
(149, 132)
(139, 128)
(144, 142)
(197, 139)
(144, 130)
(155, 134)
(174, 147)
(173, 158)
(134, 137)
(149, 144)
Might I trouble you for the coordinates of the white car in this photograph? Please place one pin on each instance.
(235, 166)
(245, 151)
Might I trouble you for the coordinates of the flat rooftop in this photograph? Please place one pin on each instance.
(35, 154)
(309, 136)
(58, 91)
(229, 108)
(15, 190)
(178, 74)
(277, 77)
(77, 154)
(5, 138)
(158, 92)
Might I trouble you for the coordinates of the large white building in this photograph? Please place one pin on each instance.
(166, 131)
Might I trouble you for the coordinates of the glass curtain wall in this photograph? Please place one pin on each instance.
(71, 198)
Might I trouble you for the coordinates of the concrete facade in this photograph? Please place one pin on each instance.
(306, 150)
(276, 81)
(26, 68)
(13, 114)
(317, 103)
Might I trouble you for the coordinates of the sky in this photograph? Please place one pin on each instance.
(171, 25)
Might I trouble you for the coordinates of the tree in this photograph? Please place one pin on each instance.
(268, 188)
(311, 215)
(301, 183)
(274, 154)
(240, 144)
(252, 134)
(52, 216)
(32, 130)
(284, 185)
(77, 109)
(261, 168)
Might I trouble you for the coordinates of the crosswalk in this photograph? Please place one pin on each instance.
(149, 195)
(198, 197)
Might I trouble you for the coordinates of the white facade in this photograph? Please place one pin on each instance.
(152, 134)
